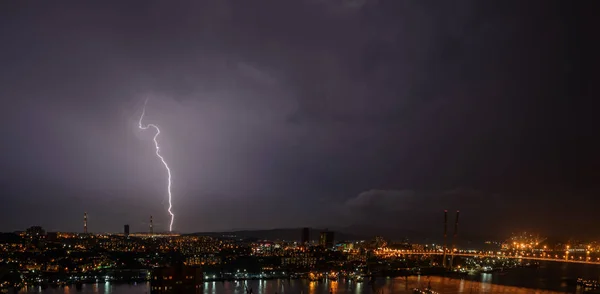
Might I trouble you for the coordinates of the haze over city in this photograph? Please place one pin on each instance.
(287, 114)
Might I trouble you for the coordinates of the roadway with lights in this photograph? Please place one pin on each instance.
(544, 256)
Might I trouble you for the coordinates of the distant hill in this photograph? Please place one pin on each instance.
(350, 233)
(394, 233)
(287, 234)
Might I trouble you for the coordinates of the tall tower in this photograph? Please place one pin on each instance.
(445, 237)
(151, 227)
(85, 222)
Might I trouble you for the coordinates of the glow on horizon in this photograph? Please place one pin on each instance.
(145, 127)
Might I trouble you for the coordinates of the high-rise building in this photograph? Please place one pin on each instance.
(151, 227)
(326, 239)
(305, 236)
(126, 230)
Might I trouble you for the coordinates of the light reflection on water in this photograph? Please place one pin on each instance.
(395, 285)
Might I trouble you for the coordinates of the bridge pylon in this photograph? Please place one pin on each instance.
(454, 238)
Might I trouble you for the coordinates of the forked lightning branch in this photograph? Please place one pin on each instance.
(145, 127)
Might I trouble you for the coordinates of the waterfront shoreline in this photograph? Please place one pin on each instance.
(387, 285)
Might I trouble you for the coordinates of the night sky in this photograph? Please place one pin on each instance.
(342, 114)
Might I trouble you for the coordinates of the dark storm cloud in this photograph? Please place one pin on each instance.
(422, 209)
(279, 113)
(382, 201)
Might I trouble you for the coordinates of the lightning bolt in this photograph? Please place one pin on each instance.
(145, 127)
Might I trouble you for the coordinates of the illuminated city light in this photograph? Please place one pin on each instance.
(145, 127)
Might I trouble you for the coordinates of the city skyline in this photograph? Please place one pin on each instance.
(450, 236)
(373, 114)
(162, 263)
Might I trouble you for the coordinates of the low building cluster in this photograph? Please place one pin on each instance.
(35, 257)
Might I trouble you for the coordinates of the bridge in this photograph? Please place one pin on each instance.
(567, 256)
(542, 256)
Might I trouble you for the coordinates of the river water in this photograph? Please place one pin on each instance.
(550, 277)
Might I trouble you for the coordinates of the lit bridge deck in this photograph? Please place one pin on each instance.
(569, 258)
